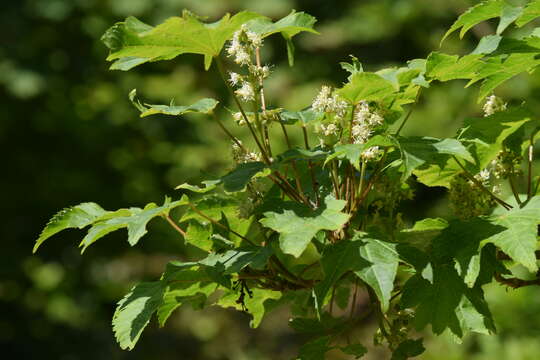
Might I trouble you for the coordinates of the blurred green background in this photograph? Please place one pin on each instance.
(71, 135)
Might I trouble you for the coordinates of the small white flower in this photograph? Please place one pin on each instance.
(321, 100)
(234, 45)
(242, 57)
(371, 153)
(246, 92)
(330, 129)
(361, 133)
(376, 120)
(265, 71)
(493, 104)
(234, 78)
(239, 118)
(484, 175)
(254, 38)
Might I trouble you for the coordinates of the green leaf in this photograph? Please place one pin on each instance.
(134, 312)
(519, 239)
(423, 232)
(352, 152)
(500, 69)
(77, 216)
(132, 42)
(443, 67)
(446, 302)
(484, 11)
(296, 231)
(508, 15)
(417, 151)
(356, 350)
(134, 219)
(233, 261)
(179, 294)
(237, 179)
(407, 349)
(486, 136)
(315, 349)
(203, 106)
(304, 116)
(209, 185)
(381, 272)
(199, 234)
(337, 260)
(488, 44)
(289, 26)
(257, 305)
(531, 12)
(366, 86)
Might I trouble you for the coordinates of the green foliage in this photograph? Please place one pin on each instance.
(309, 226)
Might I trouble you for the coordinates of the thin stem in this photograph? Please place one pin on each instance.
(408, 115)
(239, 105)
(482, 187)
(353, 304)
(215, 222)
(174, 225)
(513, 187)
(351, 124)
(310, 164)
(530, 166)
(233, 138)
(263, 101)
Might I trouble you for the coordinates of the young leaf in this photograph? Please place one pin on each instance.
(381, 272)
(296, 232)
(132, 42)
(289, 26)
(485, 10)
(178, 294)
(134, 312)
(203, 106)
(77, 216)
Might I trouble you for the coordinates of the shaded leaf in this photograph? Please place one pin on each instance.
(407, 349)
(315, 349)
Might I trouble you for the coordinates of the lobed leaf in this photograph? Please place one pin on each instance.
(132, 42)
(296, 232)
(531, 12)
(366, 86)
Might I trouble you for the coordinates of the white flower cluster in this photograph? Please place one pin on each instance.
(364, 122)
(241, 43)
(493, 104)
(239, 118)
(328, 130)
(371, 153)
(246, 91)
(327, 102)
(241, 156)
